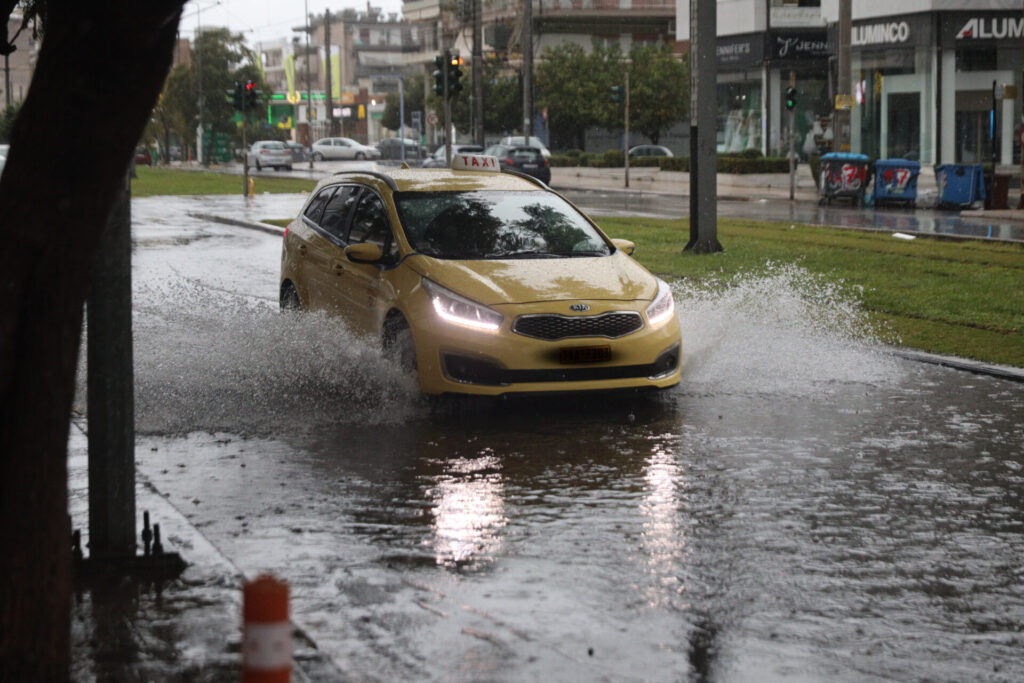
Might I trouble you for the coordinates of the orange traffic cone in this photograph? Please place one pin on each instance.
(266, 634)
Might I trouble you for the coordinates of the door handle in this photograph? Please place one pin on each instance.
(339, 269)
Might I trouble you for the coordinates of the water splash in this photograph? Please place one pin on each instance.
(782, 330)
(234, 363)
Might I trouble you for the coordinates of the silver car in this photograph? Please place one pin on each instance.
(270, 154)
(436, 160)
(343, 148)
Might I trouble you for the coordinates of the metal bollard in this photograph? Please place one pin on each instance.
(266, 632)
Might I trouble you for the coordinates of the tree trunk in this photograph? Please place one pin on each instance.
(100, 69)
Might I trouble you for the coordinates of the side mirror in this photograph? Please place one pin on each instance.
(364, 252)
(624, 245)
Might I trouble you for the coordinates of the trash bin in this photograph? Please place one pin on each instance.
(998, 192)
(843, 176)
(960, 185)
(896, 181)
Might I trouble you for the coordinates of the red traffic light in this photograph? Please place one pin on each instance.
(250, 86)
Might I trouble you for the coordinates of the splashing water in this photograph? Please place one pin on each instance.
(783, 330)
(209, 360)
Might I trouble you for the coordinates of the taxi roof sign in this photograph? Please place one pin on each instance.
(475, 162)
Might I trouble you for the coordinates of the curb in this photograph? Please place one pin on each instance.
(252, 225)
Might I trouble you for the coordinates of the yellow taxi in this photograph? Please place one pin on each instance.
(480, 281)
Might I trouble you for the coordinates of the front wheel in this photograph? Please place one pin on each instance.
(317, 156)
(399, 345)
(290, 298)
(360, 156)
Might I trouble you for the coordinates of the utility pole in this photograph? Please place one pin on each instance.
(478, 73)
(792, 140)
(703, 111)
(309, 88)
(527, 48)
(626, 141)
(327, 72)
(842, 117)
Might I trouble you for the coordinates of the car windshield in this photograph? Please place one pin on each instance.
(496, 225)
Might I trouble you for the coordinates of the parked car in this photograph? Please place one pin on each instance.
(436, 160)
(479, 282)
(270, 154)
(3, 162)
(524, 159)
(343, 148)
(298, 151)
(649, 151)
(143, 157)
(534, 141)
(391, 148)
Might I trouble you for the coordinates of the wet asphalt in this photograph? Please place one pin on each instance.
(805, 506)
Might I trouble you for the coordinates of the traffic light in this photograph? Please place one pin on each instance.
(236, 96)
(454, 74)
(439, 75)
(790, 98)
(617, 94)
(252, 95)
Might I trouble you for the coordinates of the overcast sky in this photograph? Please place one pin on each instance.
(265, 19)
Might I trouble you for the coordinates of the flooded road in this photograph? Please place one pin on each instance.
(805, 506)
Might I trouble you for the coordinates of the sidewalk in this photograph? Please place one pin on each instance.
(185, 629)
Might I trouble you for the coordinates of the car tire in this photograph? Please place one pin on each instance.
(290, 298)
(399, 345)
(317, 156)
(258, 167)
(360, 156)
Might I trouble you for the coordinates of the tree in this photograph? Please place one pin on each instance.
(413, 87)
(575, 87)
(54, 215)
(659, 90)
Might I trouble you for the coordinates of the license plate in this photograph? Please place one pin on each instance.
(584, 354)
(531, 166)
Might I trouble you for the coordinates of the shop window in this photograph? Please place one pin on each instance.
(976, 59)
(904, 126)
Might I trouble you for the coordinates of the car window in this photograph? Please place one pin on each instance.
(496, 224)
(370, 221)
(316, 207)
(337, 210)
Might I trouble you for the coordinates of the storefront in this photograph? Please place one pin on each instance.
(979, 52)
(894, 88)
(805, 55)
(740, 87)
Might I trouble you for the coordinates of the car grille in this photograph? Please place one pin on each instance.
(553, 327)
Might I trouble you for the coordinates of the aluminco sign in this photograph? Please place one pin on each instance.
(881, 34)
(982, 28)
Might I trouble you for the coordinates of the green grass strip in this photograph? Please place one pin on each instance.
(171, 181)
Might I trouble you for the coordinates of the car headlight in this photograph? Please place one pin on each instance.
(459, 310)
(663, 306)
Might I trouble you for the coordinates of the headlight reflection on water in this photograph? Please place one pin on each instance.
(469, 510)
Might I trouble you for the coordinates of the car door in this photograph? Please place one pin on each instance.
(332, 282)
(364, 284)
(344, 149)
(313, 251)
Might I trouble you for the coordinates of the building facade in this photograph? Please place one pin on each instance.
(929, 77)
(17, 67)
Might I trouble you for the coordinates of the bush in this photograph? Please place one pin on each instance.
(674, 163)
(639, 162)
(750, 153)
(613, 158)
(742, 165)
(557, 160)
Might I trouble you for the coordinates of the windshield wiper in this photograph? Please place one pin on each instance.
(528, 253)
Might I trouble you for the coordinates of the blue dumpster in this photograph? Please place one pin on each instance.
(960, 185)
(896, 181)
(843, 176)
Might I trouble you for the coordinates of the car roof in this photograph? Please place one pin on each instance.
(435, 180)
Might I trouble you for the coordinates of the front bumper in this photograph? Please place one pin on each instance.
(454, 359)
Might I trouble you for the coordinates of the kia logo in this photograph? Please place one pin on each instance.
(579, 308)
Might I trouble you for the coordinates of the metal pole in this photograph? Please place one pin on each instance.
(842, 117)
(328, 101)
(527, 48)
(309, 88)
(792, 142)
(199, 82)
(245, 148)
(447, 110)
(401, 115)
(703, 110)
(626, 141)
(110, 389)
(478, 74)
